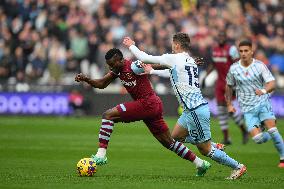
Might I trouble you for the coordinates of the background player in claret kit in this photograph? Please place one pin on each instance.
(223, 56)
(194, 123)
(254, 82)
(146, 106)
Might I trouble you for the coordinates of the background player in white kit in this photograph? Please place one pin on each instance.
(195, 120)
(254, 82)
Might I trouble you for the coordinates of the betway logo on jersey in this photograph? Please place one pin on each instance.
(129, 83)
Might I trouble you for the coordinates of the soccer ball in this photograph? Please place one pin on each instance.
(137, 68)
(86, 167)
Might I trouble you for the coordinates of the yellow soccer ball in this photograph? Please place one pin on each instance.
(86, 167)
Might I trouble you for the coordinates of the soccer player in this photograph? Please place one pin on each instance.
(146, 106)
(254, 82)
(223, 56)
(194, 123)
(148, 69)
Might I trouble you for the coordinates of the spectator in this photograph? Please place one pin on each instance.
(5, 63)
(85, 28)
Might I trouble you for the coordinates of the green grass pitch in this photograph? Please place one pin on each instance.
(42, 152)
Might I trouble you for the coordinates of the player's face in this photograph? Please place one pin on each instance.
(175, 47)
(246, 53)
(222, 38)
(115, 63)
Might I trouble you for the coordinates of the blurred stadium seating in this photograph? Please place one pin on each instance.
(44, 43)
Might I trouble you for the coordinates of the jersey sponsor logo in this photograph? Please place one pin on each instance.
(129, 83)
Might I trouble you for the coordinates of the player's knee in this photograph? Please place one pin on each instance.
(259, 139)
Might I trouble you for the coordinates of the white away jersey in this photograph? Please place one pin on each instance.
(184, 79)
(247, 80)
(183, 75)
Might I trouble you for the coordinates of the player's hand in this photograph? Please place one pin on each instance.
(199, 61)
(259, 92)
(81, 77)
(127, 41)
(147, 68)
(231, 109)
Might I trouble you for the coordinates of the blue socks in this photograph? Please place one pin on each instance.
(213, 144)
(222, 158)
(277, 140)
(262, 137)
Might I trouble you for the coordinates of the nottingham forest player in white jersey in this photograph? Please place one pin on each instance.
(194, 123)
(253, 82)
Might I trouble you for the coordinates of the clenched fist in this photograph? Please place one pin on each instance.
(81, 77)
(127, 41)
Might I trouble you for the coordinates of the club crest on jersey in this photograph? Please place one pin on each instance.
(128, 76)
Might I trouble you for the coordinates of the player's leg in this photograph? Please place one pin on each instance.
(181, 130)
(164, 137)
(267, 115)
(106, 129)
(200, 130)
(221, 157)
(253, 126)
(222, 113)
(180, 133)
(160, 131)
(125, 112)
(217, 155)
(223, 117)
(239, 120)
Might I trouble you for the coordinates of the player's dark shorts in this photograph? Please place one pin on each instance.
(149, 110)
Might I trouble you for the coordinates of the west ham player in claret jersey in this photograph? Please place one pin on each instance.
(223, 56)
(146, 106)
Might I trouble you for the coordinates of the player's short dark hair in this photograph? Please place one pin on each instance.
(112, 52)
(183, 39)
(245, 42)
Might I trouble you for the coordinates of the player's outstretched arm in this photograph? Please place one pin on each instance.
(96, 83)
(144, 57)
(149, 69)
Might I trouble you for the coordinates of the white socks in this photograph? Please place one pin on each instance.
(101, 152)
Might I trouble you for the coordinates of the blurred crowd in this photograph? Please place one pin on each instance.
(48, 41)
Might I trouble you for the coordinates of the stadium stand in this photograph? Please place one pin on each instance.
(44, 43)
